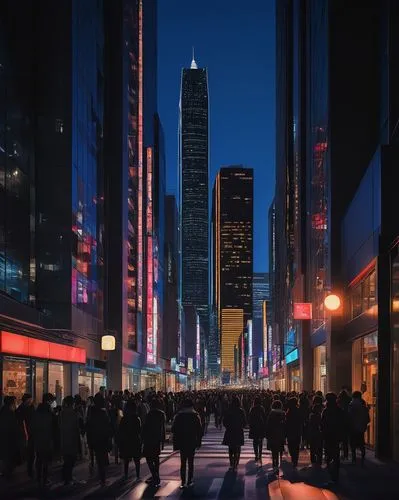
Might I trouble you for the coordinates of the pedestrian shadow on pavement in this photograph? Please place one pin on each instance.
(233, 486)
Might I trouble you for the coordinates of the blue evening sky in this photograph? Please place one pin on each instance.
(235, 40)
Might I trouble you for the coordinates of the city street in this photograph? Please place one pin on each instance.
(213, 479)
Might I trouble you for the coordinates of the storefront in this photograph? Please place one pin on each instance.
(30, 365)
(320, 368)
(364, 377)
(293, 370)
(91, 377)
(131, 379)
(151, 379)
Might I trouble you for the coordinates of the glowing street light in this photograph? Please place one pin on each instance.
(108, 343)
(332, 302)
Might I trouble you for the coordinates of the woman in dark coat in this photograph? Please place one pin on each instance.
(293, 429)
(275, 432)
(234, 422)
(257, 428)
(99, 434)
(128, 438)
(153, 439)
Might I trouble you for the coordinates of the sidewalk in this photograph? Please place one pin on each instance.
(376, 480)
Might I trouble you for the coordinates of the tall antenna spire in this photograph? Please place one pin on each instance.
(193, 63)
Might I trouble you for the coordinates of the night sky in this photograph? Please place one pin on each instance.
(235, 40)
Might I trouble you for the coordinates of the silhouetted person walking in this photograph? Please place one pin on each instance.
(359, 419)
(154, 439)
(234, 422)
(187, 434)
(275, 433)
(257, 428)
(293, 430)
(128, 438)
(99, 434)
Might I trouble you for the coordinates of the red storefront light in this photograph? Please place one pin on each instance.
(11, 343)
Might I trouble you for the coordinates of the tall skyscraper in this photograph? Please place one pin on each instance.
(130, 126)
(193, 191)
(232, 221)
(170, 345)
(260, 294)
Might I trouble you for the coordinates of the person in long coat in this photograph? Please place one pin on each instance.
(9, 436)
(293, 429)
(187, 435)
(275, 432)
(234, 422)
(70, 437)
(154, 436)
(45, 430)
(99, 434)
(128, 438)
(257, 428)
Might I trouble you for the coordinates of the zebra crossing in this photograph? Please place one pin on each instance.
(212, 476)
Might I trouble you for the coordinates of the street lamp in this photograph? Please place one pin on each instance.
(332, 302)
(108, 343)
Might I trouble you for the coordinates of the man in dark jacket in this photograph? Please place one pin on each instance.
(153, 439)
(187, 434)
(25, 414)
(70, 437)
(359, 419)
(332, 427)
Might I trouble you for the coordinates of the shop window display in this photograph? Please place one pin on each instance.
(59, 380)
(16, 377)
(364, 377)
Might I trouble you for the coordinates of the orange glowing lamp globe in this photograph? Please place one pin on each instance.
(332, 302)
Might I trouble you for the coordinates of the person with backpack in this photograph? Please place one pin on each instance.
(359, 420)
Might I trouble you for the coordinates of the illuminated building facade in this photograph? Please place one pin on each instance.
(261, 292)
(193, 190)
(232, 333)
(51, 186)
(315, 143)
(123, 136)
(171, 327)
(232, 222)
(129, 124)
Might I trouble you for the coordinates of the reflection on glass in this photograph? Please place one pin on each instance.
(40, 381)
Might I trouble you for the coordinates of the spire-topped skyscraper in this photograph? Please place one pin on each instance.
(193, 195)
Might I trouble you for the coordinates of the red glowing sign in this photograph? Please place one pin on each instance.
(302, 310)
(11, 343)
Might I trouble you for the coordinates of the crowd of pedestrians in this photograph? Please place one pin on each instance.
(128, 427)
